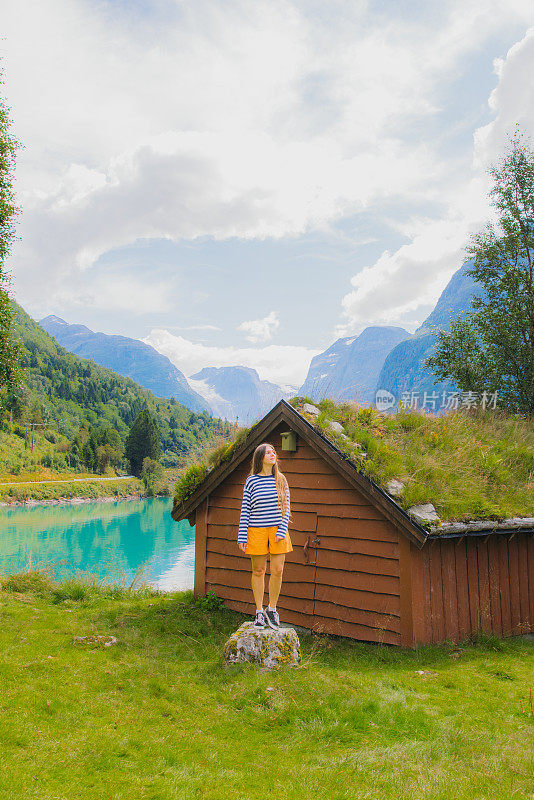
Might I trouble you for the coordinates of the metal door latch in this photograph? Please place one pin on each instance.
(314, 543)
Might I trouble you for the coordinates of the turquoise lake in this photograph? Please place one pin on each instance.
(113, 541)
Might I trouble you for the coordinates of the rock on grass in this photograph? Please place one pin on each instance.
(269, 648)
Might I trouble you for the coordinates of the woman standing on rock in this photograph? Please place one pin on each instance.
(263, 529)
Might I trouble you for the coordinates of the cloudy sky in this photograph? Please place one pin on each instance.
(245, 182)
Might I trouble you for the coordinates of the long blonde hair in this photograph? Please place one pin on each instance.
(282, 487)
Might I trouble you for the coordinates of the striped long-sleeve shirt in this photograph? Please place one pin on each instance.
(260, 507)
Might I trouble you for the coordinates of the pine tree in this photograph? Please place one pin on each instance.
(143, 441)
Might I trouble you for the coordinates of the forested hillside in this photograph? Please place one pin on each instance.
(70, 392)
(128, 357)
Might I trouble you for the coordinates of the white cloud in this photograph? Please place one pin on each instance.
(512, 101)
(283, 365)
(193, 327)
(114, 292)
(415, 274)
(387, 292)
(212, 119)
(260, 330)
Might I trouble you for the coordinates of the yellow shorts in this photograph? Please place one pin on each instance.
(260, 541)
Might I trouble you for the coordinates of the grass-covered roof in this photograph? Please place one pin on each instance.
(470, 464)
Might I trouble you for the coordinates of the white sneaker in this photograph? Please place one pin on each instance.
(273, 620)
(259, 620)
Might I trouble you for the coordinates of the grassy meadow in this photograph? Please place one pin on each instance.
(156, 716)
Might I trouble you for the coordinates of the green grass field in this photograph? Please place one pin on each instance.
(157, 716)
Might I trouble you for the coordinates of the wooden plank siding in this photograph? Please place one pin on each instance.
(365, 578)
(200, 548)
(352, 590)
(461, 586)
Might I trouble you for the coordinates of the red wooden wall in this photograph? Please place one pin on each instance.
(461, 586)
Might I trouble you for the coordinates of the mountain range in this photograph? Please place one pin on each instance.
(237, 393)
(403, 369)
(386, 358)
(389, 358)
(349, 369)
(227, 392)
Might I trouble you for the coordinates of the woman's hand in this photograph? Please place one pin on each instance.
(278, 537)
(242, 545)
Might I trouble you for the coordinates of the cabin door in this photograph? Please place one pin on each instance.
(356, 578)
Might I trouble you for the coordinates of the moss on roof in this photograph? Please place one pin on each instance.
(470, 464)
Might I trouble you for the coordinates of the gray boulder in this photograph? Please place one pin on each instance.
(336, 427)
(309, 409)
(424, 513)
(395, 487)
(268, 648)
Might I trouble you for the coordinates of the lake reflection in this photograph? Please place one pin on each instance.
(112, 541)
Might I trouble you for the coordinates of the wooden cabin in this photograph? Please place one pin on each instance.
(361, 567)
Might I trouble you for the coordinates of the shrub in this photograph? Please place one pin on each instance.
(29, 581)
(69, 590)
(210, 602)
(54, 461)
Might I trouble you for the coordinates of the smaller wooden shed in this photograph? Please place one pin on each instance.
(361, 566)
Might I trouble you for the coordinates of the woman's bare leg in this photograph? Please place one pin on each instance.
(259, 564)
(275, 579)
